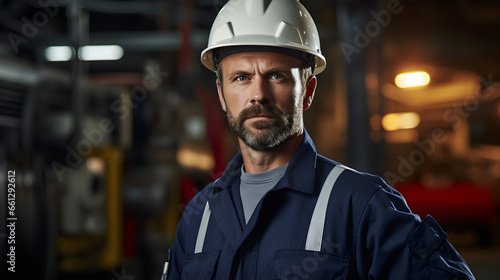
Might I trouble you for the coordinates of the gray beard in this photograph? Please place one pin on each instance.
(270, 133)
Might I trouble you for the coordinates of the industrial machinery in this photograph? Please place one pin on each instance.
(61, 158)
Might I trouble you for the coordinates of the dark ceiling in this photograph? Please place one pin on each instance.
(461, 34)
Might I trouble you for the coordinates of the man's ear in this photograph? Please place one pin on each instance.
(310, 89)
(221, 96)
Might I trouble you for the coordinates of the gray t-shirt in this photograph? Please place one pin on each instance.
(254, 186)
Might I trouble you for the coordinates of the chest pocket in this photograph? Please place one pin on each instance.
(297, 265)
(312, 263)
(200, 266)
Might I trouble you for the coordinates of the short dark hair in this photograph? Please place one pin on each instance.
(218, 73)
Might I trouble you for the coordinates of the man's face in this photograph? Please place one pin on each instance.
(263, 96)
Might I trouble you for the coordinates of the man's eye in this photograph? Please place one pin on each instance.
(277, 77)
(241, 78)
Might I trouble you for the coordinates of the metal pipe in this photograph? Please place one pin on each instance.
(79, 25)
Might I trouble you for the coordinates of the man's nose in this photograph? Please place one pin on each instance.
(260, 91)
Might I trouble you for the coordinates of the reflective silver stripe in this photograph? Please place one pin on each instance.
(316, 228)
(202, 231)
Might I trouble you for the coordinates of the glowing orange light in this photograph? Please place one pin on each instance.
(396, 121)
(412, 79)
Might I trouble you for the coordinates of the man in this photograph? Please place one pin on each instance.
(280, 210)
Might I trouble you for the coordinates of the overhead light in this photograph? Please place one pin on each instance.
(59, 53)
(412, 79)
(96, 165)
(104, 52)
(86, 53)
(454, 87)
(396, 121)
(191, 157)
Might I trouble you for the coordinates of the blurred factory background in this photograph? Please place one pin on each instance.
(112, 124)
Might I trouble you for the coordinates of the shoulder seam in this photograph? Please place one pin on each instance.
(365, 206)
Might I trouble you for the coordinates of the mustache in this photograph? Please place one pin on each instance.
(257, 110)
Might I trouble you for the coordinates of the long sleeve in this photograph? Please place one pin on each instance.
(393, 243)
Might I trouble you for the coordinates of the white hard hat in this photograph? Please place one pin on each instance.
(279, 24)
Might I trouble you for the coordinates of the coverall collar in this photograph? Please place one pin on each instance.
(299, 175)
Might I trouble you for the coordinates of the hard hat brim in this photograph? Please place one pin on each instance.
(261, 40)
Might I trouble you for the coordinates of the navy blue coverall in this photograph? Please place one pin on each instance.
(357, 228)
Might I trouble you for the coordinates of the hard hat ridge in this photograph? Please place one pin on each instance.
(256, 7)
